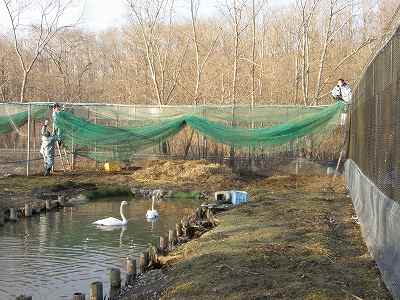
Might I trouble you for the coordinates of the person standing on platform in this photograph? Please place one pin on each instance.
(342, 92)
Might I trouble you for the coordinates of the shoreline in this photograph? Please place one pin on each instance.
(294, 239)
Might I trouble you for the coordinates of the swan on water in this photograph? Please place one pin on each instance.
(113, 221)
(152, 213)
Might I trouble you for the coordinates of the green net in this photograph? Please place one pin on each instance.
(245, 116)
(11, 122)
(112, 143)
(104, 142)
(276, 135)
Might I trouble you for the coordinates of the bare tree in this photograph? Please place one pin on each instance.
(307, 12)
(70, 56)
(159, 54)
(49, 25)
(200, 63)
(335, 7)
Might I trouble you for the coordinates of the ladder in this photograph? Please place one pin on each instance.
(60, 153)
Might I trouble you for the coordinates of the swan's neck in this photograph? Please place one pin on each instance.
(121, 210)
(152, 204)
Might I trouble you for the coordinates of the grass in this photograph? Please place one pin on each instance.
(107, 191)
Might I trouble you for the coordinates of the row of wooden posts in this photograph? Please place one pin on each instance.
(14, 213)
(184, 231)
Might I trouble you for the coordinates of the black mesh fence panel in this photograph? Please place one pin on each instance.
(373, 168)
(375, 123)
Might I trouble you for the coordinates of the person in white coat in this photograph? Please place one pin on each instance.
(342, 92)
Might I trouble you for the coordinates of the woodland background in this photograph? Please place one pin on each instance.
(248, 52)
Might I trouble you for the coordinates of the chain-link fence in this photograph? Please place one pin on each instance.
(373, 167)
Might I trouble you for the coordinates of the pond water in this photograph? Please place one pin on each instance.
(54, 255)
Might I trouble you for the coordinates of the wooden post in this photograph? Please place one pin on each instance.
(153, 260)
(23, 297)
(72, 152)
(1, 217)
(27, 211)
(28, 154)
(96, 291)
(198, 213)
(178, 230)
(130, 270)
(185, 225)
(163, 244)
(78, 296)
(13, 214)
(115, 277)
(171, 237)
(115, 282)
(48, 205)
(143, 261)
(210, 216)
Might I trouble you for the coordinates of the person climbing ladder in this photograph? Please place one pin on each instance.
(47, 148)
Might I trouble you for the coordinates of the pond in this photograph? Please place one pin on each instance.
(54, 255)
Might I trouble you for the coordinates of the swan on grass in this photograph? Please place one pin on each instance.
(152, 213)
(114, 221)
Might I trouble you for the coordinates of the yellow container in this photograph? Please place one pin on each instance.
(112, 167)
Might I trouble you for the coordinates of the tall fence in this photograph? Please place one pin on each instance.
(375, 124)
(373, 168)
(22, 144)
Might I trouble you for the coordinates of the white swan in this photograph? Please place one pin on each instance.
(152, 213)
(113, 221)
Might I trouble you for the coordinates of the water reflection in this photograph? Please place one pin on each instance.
(52, 256)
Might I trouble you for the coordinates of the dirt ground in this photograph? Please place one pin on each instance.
(295, 239)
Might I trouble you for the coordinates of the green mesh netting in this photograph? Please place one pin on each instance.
(9, 123)
(267, 115)
(112, 143)
(276, 135)
(103, 142)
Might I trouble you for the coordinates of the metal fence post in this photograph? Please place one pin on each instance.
(28, 155)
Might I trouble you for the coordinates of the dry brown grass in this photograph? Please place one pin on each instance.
(196, 173)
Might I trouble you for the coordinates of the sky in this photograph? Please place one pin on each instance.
(102, 14)
(99, 15)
